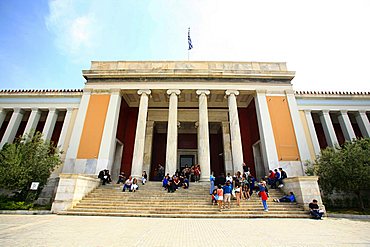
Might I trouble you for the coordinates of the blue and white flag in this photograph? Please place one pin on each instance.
(189, 40)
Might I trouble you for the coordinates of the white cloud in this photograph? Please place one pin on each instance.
(74, 31)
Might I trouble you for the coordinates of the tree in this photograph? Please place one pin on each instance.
(345, 168)
(29, 159)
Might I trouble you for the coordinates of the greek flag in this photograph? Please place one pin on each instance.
(189, 40)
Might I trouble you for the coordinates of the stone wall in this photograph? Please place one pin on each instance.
(305, 189)
(71, 189)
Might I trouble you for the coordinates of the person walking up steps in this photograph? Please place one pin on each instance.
(220, 197)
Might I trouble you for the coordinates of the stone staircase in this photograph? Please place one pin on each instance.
(151, 200)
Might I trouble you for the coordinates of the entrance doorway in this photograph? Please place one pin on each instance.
(186, 161)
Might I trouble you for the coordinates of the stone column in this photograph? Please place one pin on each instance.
(304, 152)
(203, 136)
(13, 126)
(72, 150)
(66, 122)
(2, 116)
(236, 140)
(311, 128)
(171, 149)
(346, 126)
(33, 120)
(108, 142)
(363, 123)
(138, 156)
(51, 119)
(327, 125)
(269, 152)
(227, 148)
(148, 147)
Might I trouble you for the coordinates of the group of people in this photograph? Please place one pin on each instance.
(276, 177)
(173, 183)
(240, 185)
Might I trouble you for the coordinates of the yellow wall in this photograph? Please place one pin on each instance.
(282, 125)
(93, 127)
(307, 134)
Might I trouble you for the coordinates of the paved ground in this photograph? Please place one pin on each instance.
(53, 230)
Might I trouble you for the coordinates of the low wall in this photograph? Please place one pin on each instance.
(71, 189)
(305, 189)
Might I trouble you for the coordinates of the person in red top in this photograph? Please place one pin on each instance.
(220, 197)
(197, 173)
(271, 179)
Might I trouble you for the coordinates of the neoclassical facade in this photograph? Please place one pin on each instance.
(133, 116)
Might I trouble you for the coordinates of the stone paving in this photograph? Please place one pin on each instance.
(54, 230)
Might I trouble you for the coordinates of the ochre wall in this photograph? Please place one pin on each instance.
(282, 125)
(93, 127)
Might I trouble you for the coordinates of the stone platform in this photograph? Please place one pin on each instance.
(151, 200)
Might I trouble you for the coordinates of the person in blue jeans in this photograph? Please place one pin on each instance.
(287, 198)
(315, 211)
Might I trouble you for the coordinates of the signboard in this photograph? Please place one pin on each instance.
(34, 185)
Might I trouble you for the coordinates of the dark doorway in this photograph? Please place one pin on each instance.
(186, 160)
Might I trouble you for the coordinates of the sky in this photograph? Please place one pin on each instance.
(45, 44)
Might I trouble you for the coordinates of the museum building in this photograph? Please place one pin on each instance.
(132, 116)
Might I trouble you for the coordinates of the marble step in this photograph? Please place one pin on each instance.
(215, 215)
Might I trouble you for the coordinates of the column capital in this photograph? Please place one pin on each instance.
(324, 112)
(362, 112)
(289, 91)
(87, 91)
(231, 91)
(307, 111)
(69, 109)
(34, 109)
(53, 109)
(261, 91)
(18, 110)
(173, 91)
(115, 91)
(144, 91)
(343, 112)
(202, 91)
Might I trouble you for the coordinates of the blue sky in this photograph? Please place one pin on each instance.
(46, 44)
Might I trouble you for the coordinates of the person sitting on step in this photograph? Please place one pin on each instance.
(287, 198)
(315, 211)
(185, 183)
(144, 178)
(134, 186)
(128, 184)
(121, 178)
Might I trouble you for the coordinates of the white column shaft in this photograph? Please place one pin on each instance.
(203, 136)
(171, 149)
(269, 152)
(108, 142)
(2, 116)
(329, 131)
(346, 126)
(138, 156)
(66, 122)
(12, 127)
(227, 148)
(236, 141)
(72, 150)
(304, 152)
(363, 123)
(51, 119)
(148, 146)
(32, 122)
(311, 128)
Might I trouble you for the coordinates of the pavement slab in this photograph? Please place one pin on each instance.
(57, 230)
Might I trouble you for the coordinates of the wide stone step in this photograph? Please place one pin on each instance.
(166, 208)
(216, 215)
(153, 201)
(215, 211)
